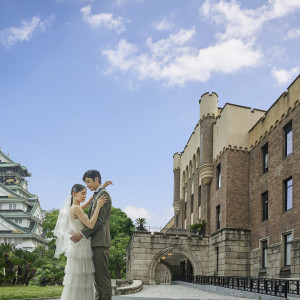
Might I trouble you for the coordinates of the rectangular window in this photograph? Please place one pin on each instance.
(176, 221)
(199, 202)
(185, 209)
(218, 176)
(12, 206)
(287, 249)
(264, 247)
(218, 210)
(265, 154)
(192, 209)
(217, 259)
(288, 138)
(288, 193)
(265, 206)
(199, 196)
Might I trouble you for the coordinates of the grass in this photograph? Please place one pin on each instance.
(29, 292)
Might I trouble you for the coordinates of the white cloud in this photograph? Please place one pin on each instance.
(124, 2)
(172, 61)
(137, 212)
(283, 76)
(104, 19)
(293, 34)
(158, 220)
(12, 35)
(175, 61)
(245, 23)
(164, 24)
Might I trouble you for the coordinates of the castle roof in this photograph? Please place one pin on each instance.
(6, 162)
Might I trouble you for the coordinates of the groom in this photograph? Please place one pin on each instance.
(100, 235)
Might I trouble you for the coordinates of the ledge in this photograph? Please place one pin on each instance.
(135, 287)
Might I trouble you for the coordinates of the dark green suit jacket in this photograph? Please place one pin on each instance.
(100, 234)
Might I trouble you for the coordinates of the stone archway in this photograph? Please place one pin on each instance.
(192, 258)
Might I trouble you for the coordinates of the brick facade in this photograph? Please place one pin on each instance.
(226, 172)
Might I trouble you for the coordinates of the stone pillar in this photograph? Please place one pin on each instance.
(176, 201)
(208, 114)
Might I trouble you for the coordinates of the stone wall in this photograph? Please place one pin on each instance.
(145, 249)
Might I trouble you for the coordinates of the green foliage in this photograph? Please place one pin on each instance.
(120, 223)
(17, 266)
(49, 224)
(198, 226)
(140, 224)
(51, 270)
(21, 292)
(39, 267)
(121, 228)
(117, 262)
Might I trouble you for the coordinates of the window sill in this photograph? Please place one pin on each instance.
(285, 269)
(263, 272)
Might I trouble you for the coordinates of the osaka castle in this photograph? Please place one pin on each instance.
(20, 211)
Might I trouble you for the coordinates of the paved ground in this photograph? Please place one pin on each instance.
(174, 292)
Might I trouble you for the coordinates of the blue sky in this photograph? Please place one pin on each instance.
(114, 85)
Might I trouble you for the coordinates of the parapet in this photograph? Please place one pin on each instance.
(176, 161)
(208, 105)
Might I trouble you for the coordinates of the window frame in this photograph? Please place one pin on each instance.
(288, 128)
(264, 248)
(287, 248)
(286, 187)
(218, 216)
(217, 259)
(265, 206)
(265, 157)
(219, 177)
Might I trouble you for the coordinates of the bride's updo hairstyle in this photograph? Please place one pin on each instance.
(75, 189)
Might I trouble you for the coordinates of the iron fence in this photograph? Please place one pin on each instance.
(272, 287)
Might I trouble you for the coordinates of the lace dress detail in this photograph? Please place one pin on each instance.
(79, 271)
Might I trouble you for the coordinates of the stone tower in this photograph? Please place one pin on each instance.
(208, 114)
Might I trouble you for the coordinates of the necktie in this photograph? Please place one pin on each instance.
(91, 204)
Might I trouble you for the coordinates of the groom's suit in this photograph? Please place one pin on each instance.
(101, 242)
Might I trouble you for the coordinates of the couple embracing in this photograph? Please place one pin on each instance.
(85, 240)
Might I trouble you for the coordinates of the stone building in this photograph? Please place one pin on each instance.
(20, 211)
(239, 172)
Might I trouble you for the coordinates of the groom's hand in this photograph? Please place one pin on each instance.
(107, 183)
(76, 237)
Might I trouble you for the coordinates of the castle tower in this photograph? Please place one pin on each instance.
(20, 212)
(176, 201)
(208, 114)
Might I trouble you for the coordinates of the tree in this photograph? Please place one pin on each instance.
(121, 228)
(120, 223)
(117, 261)
(140, 224)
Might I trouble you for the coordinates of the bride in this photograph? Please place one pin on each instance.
(79, 271)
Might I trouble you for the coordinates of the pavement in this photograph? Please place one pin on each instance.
(174, 292)
(185, 292)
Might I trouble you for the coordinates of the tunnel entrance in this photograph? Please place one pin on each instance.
(171, 264)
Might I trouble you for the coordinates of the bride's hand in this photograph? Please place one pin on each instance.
(101, 201)
(107, 183)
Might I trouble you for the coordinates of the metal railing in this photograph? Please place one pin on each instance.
(272, 287)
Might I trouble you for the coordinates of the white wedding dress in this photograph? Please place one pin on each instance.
(79, 271)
